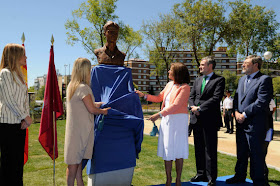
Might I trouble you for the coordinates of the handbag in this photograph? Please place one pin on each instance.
(154, 131)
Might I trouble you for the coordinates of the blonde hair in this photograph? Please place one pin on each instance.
(80, 74)
(12, 53)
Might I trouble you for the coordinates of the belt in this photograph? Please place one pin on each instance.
(228, 109)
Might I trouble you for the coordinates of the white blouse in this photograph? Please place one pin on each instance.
(13, 98)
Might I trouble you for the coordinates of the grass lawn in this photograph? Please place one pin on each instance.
(149, 169)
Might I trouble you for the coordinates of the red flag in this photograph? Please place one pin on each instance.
(24, 72)
(52, 103)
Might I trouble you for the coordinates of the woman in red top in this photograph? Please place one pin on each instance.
(173, 133)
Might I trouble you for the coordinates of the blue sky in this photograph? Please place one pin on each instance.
(40, 19)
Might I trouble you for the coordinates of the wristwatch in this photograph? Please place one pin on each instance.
(198, 109)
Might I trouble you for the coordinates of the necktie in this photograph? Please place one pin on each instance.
(247, 82)
(203, 83)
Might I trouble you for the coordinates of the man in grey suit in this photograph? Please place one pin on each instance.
(251, 108)
(205, 117)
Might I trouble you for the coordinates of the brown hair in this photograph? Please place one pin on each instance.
(180, 73)
(256, 59)
(12, 53)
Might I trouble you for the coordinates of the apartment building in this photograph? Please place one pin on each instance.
(142, 70)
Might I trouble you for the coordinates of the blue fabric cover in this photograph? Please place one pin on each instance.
(118, 135)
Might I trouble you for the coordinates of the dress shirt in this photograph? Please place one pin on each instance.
(13, 98)
(208, 77)
(272, 105)
(228, 103)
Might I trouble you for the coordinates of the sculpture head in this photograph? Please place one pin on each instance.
(111, 31)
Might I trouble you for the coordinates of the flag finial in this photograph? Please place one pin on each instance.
(23, 38)
(52, 39)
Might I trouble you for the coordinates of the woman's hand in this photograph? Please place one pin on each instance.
(154, 117)
(28, 120)
(105, 110)
(98, 104)
(140, 94)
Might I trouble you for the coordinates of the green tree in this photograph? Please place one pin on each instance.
(86, 27)
(40, 94)
(162, 35)
(252, 27)
(231, 80)
(203, 25)
(31, 89)
(129, 40)
(276, 85)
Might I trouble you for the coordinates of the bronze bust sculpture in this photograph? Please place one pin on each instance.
(109, 54)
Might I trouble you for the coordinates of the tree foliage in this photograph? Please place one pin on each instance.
(252, 28)
(203, 25)
(162, 34)
(86, 26)
(231, 80)
(40, 93)
(276, 85)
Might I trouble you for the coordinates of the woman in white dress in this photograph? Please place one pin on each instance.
(173, 133)
(79, 133)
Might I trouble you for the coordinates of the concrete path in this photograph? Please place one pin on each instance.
(227, 144)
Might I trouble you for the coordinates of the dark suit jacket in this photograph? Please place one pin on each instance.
(254, 101)
(209, 101)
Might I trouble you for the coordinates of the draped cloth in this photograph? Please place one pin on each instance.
(118, 135)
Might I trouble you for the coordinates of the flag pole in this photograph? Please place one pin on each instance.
(54, 127)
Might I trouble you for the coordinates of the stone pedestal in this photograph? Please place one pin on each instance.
(122, 177)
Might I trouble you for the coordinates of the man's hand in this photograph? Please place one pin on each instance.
(240, 118)
(194, 110)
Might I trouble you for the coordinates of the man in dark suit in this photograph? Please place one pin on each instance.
(205, 116)
(250, 104)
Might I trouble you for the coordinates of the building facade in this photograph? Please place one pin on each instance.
(143, 77)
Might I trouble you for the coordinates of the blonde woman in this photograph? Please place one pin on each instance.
(79, 134)
(14, 115)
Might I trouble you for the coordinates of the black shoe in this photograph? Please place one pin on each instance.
(235, 179)
(211, 183)
(231, 132)
(227, 131)
(197, 178)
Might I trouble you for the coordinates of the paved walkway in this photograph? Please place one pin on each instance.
(227, 144)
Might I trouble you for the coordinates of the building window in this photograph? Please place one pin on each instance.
(181, 55)
(218, 66)
(144, 77)
(139, 77)
(153, 77)
(218, 60)
(224, 61)
(194, 72)
(139, 71)
(232, 61)
(139, 65)
(224, 67)
(224, 55)
(189, 61)
(139, 82)
(144, 88)
(218, 55)
(189, 55)
(144, 82)
(232, 66)
(153, 83)
(152, 66)
(144, 71)
(145, 65)
(181, 60)
(189, 66)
